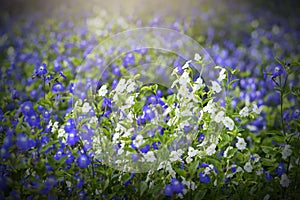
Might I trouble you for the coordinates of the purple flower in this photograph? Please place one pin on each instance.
(168, 190)
(201, 137)
(145, 149)
(24, 142)
(296, 113)
(72, 138)
(83, 161)
(278, 70)
(204, 178)
(58, 87)
(27, 108)
(33, 120)
(62, 75)
(70, 125)
(134, 157)
(177, 186)
(41, 70)
(268, 176)
(148, 113)
(280, 169)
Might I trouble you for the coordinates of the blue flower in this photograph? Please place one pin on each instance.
(155, 145)
(70, 125)
(41, 70)
(148, 113)
(72, 138)
(145, 149)
(204, 178)
(152, 99)
(135, 157)
(296, 113)
(83, 161)
(177, 186)
(62, 75)
(268, 176)
(33, 120)
(280, 169)
(27, 108)
(24, 142)
(168, 190)
(201, 137)
(278, 70)
(58, 87)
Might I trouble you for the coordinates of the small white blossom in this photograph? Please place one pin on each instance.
(219, 117)
(188, 160)
(210, 107)
(241, 144)
(244, 112)
(175, 155)
(256, 109)
(102, 91)
(229, 123)
(192, 152)
(149, 156)
(198, 84)
(187, 64)
(139, 140)
(86, 107)
(286, 152)
(131, 86)
(222, 75)
(284, 181)
(197, 57)
(121, 86)
(267, 197)
(216, 87)
(211, 149)
(248, 167)
(54, 127)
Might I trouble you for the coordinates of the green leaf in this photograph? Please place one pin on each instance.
(143, 187)
(267, 149)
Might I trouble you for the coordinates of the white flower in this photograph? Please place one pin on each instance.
(197, 57)
(61, 132)
(211, 149)
(219, 117)
(226, 151)
(131, 86)
(286, 151)
(248, 167)
(198, 84)
(216, 87)
(229, 123)
(241, 144)
(139, 140)
(244, 112)
(210, 107)
(102, 91)
(188, 160)
(54, 127)
(187, 64)
(192, 152)
(149, 156)
(267, 197)
(256, 109)
(222, 75)
(86, 107)
(121, 86)
(256, 157)
(175, 155)
(284, 181)
(184, 79)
